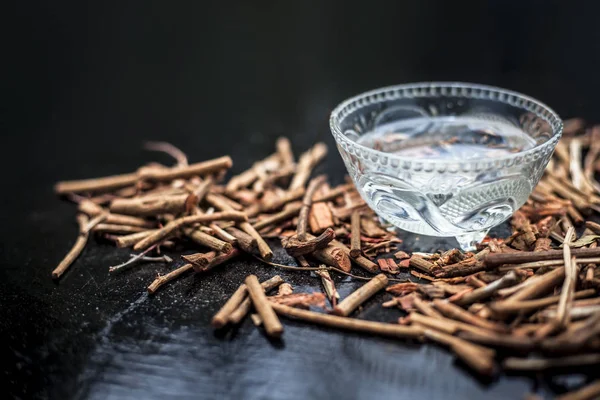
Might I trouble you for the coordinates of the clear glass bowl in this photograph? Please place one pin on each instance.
(445, 159)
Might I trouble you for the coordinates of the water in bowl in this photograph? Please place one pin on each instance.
(461, 204)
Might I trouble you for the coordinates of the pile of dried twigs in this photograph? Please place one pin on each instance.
(531, 296)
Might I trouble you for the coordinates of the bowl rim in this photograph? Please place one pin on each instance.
(366, 98)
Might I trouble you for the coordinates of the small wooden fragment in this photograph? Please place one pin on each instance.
(539, 286)
(487, 291)
(263, 184)
(162, 279)
(112, 228)
(277, 202)
(151, 205)
(542, 244)
(133, 238)
(588, 392)
(371, 228)
(242, 310)
(295, 247)
(329, 286)
(285, 289)
(471, 354)
(284, 151)
(333, 256)
(90, 208)
(351, 324)
(455, 312)
(220, 319)
(594, 227)
(302, 300)
(355, 229)
(575, 313)
(223, 234)
(82, 238)
(512, 306)
(181, 222)
(222, 202)
(423, 265)
(474, 281)
(219, 259)
(361, 261)
(245, 242)
(388, 265)
(263, 248)
(290, 211)
(207, 240)
(313, 185)
(575, 337)
(306, 163)
(96, 185)
(462, 268)
(497, 259)
(256, 319)
(247, 177)
(542, 364)
(568, 288)
(197, 194)
(359, 296)
(200, 259)
(426, 308)
(201, 168)
(302, 262)
(320, 218)
(559, 187)
(270, 321)
(94, 222)
(441, 325)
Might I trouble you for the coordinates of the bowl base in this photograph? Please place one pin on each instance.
(469, 241)
(466, 242)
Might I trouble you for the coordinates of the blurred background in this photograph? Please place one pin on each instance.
(230, 76)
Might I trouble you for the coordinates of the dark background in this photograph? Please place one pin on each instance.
(87, 82)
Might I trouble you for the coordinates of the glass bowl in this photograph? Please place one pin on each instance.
(445, 159)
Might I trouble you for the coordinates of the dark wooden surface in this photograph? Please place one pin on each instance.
(88, 82)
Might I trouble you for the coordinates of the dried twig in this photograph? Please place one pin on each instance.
(76, 250)
(350, 303)
(355, 227)
(566, 298)
(313, 185)
(270, 321)
(497, 259)
(487, 291)
(169, 149)
(541, 364)
(290, 211)
(138, 257)
(284, 151)
(295, 247)
(588, 392)
(174, 225)
(162, 279)
(207, 240)
(351, 324)
(329, 286)
(237, 314)
(306, 163)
